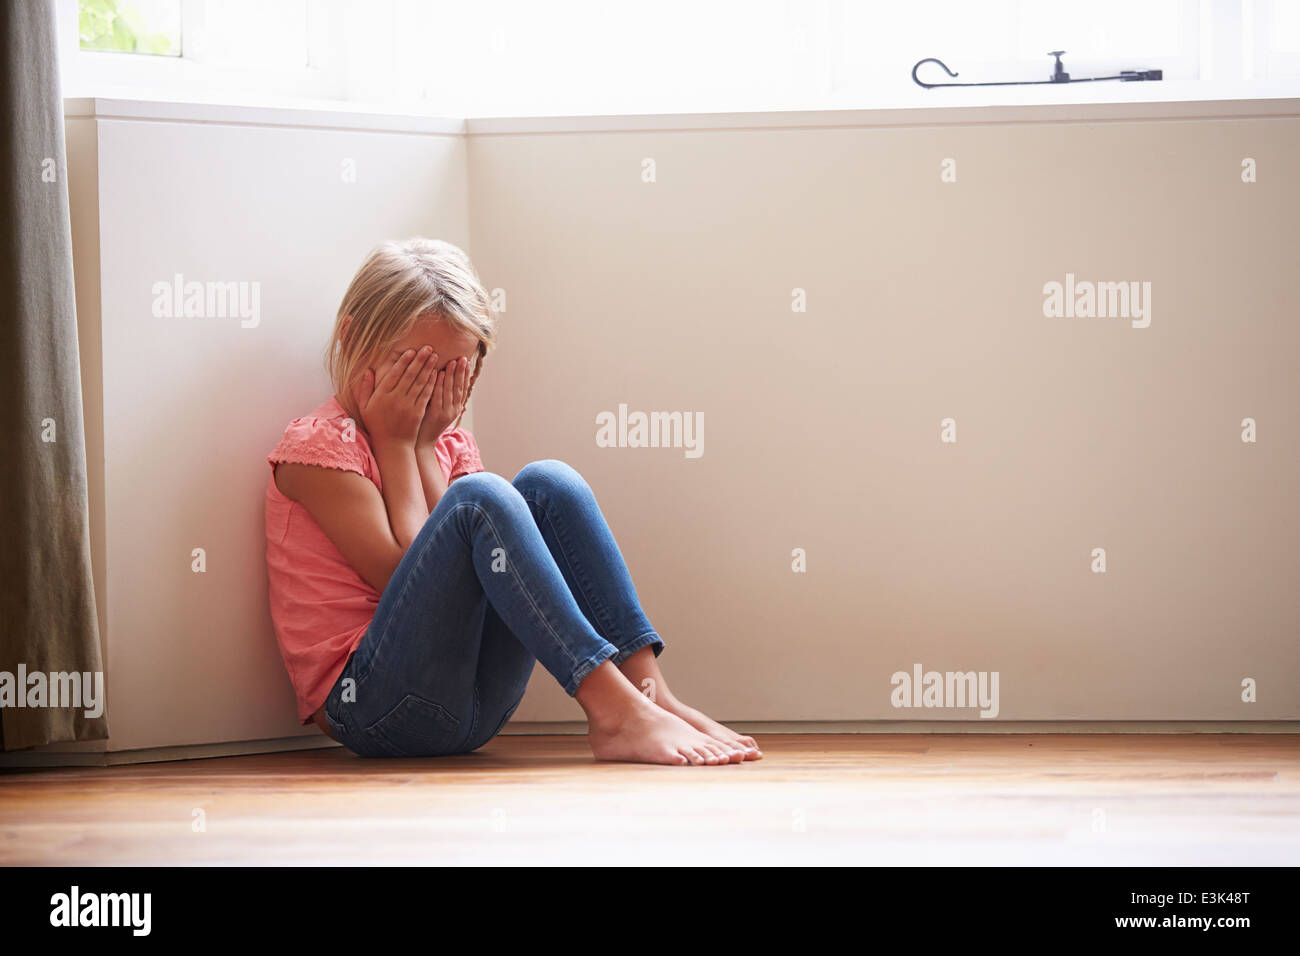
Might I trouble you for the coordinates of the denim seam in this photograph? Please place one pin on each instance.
(400, 600)
(520, 583)
(581, 671)
(473, 721)
(644, 639)
(339, 725)
(373, 732)
(598, 608)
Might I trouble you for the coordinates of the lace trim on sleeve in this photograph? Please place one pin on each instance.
(322, 448)
(467, 462)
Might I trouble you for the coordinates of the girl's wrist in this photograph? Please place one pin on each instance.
(426, 440)
(391, 443)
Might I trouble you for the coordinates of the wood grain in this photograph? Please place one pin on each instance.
(816, 798)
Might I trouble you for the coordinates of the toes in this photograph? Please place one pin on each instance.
(749, 747)
(731, 749)
(732, 753)
(741, 748)
(725, 753)
(730, 740)
(719, 753)
(711, 753)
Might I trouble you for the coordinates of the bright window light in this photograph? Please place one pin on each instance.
(251, 33)
(151, 27)
(1284, 37)
(470, 58)
(1102, 29)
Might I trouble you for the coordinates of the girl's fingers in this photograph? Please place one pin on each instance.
(462, 382)
(433, 366)
(413, 369)
(454, 378)
(424, 383)
(453, 387)
(428, 383)
(395, 372)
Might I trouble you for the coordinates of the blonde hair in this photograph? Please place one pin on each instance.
(400, 281)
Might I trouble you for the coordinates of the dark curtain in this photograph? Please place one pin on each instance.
(47, 601)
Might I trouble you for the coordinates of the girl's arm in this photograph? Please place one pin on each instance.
(432, 480)
(449, 393)
(351, 512)
(373, 531)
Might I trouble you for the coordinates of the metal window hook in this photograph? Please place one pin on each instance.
(1058, 75)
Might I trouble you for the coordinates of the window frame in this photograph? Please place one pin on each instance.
(1224, 38)
(191, 74)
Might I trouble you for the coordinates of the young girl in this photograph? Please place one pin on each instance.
(411, 590)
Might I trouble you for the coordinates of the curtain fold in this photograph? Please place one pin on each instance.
(48, 624)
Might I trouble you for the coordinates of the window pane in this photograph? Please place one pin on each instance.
(1101, 29)
(878, 44)
(951, 30)
(1284, 37)
(590, 55)
(130, 26)
(253, 33)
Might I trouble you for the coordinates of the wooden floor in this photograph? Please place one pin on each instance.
(825, 798)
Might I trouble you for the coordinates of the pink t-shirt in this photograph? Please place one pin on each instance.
(320, 605)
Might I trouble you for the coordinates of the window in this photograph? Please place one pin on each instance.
(130, 26)
(249, 33)
(231, 50)
(1009, 40)
(1279, 38)
(527, 57)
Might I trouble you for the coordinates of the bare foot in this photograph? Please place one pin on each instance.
(707, 725)
(624, 725)
(649, 734)
(643, 671)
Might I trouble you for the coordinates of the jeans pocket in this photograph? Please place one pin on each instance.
(416, 727)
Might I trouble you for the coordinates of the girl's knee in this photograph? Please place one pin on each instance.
(487, 495)
(549, 474)
(481, 486)
(487, 492)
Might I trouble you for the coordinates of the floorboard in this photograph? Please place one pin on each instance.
(1195, 799)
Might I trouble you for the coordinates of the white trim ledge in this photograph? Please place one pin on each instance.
(231, 115)
(325, 117)
(1278, 108)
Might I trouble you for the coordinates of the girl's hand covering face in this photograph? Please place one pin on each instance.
(393, 402)
(450, 391)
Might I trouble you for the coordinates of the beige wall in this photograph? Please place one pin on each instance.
(924, 301)
(191, 406)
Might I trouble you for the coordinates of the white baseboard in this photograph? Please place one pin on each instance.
(30, 759)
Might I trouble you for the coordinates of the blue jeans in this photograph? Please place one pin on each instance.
(501, 575)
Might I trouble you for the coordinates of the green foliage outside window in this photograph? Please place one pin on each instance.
(120, 26)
